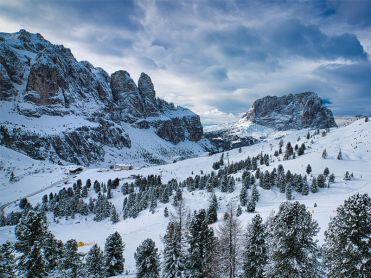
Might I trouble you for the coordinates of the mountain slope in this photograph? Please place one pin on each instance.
(54, 107)
(354, 141)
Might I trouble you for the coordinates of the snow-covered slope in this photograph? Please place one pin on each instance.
(53, 107)
(353, 140)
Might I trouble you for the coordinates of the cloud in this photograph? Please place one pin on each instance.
(214, 56)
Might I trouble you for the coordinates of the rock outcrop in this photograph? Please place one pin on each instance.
(39, 80)
(293, 111)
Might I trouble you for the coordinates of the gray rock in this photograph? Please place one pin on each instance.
(293, 111)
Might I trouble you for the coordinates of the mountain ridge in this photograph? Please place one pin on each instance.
(39, 79)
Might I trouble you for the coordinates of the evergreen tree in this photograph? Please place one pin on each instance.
(147, 260)
(53, 251)
(288, 191)
(347, 250)
(305, 190)
(293, 251)
(31, 228)
(314, 187)
(113, 255)
(309, 169)
(255, 253)
(200, 242)
(255, 194)
(243, 196)
(340, 155)
(324, 154)
(173, 258)
(34, 262)
(326, 172)
(7, 260)
(94, 265)
(166, 212)
(321, 181)
(239, 211)
(114, 217)
(70, 264)
(212, 212)
(251, 204)
(331, 178)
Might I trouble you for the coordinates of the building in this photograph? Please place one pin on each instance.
(122, 167)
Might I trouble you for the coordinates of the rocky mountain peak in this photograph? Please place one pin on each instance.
(293, 111)
(39, 79)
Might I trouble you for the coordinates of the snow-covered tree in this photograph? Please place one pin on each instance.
(31, 228)
(212, 212)
(34, 263)
(340, 155)
(347, 249)
(324, 154)
(255, 253)
(114, 216)
(309, 169)
(113, 255)
(7, 260)
(147, 260)
(292, 250)
(321, 181)
(70, 264)
(173, 257)
(94, 265)
(201, 245)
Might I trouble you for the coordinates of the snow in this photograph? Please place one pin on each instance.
(354, 140)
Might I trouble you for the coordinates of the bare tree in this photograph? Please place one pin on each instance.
(229, 238)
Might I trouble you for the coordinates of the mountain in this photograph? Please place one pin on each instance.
(55, 107)
(271, 114)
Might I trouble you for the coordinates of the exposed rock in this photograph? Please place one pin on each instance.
(293, 111)
(49, 82)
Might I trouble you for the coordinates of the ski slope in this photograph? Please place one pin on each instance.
(354, 140)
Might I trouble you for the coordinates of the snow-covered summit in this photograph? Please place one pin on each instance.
(39, 79)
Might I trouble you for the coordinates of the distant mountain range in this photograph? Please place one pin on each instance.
(53, 107)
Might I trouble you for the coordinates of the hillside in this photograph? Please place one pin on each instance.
(354, 141)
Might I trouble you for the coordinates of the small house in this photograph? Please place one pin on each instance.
(122, 167)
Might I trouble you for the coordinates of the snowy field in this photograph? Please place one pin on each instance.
(37, 178)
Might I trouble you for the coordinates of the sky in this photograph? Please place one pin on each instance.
(216, 57)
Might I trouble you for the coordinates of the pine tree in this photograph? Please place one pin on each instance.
(314, 187)
(53, 251)
(292, 251)
(347, 250)
(255, 254)
(321, 181)
(114, 217)
(309, 169)
(212, 212)
(255, 194)
(94, 266)
(7, 260)
(34, 262)
(305, 190)
(173, 258)
(251, 204)
(31, 228)
(147, 260)
(340, 155)
(70, 264)
(243, 196)
(239, 211)
(166, 212)
(331, 178)
(326, 172)
(201, 244)
(288, 191)
(113, 255)
(324, 154)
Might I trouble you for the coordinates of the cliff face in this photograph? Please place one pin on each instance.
(39, 81)
(294, 111)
